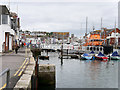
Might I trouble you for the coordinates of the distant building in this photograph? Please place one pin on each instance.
(72, 35)
(113, 38)
(105, 36)
(60, 35)
(15, 25)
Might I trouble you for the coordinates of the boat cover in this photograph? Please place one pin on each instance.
(115, 53)
(92, 52)
(100, 54)
(85, 54)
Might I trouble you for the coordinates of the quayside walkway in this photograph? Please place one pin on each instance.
(16, 63)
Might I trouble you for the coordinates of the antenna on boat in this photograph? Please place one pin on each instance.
(86, 24)
(93, 28)
(86, 27)
(101, 28)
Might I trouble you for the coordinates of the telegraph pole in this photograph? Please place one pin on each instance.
(93, 33)
(101, 28)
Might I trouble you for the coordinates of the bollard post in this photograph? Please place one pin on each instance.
(36, 73)
(79, 55)
(47, 52)
(67, 53)
(8, 78)
(62, 54)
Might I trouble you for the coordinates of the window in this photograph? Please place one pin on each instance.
(4, 19)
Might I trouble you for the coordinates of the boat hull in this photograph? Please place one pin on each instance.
(115, 58)
(87, 58)
(92, 54)
(101, 58)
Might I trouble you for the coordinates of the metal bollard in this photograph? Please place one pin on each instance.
(8, 76)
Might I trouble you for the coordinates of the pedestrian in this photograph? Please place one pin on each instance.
(16, 49)
(28, 45)
(22, 44)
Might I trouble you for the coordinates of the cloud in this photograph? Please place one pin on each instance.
(60, 0)
(64, 15)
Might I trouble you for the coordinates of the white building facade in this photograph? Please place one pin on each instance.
(6, 33)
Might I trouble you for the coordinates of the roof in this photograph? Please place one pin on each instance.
(13, 14)
(4, 9)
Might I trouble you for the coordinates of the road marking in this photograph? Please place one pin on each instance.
(3, 86)
(23, 68)
(20, 67)
(19, 72)
(10, 53)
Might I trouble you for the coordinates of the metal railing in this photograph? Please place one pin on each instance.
(8, 76)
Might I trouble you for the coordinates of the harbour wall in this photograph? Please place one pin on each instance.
(30, 80)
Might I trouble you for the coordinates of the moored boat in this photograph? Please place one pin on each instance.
(86, 56)
(115, 56)
(101, 56)
(94, 40)
(92, 53)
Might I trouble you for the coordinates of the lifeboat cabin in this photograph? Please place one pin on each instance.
(94, 40)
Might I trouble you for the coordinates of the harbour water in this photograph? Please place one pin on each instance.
(75, 73)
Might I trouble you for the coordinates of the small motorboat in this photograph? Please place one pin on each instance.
(92, 53)
(44, 57)
(115, 56)
(86, 56)
(101, 56)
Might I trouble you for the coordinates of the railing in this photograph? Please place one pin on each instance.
(8, 76)
(96, 49)
(54, 46)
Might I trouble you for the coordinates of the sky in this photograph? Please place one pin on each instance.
(64, 15)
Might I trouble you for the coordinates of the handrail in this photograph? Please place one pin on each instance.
(8, 76)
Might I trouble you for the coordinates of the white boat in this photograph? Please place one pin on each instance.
(115, 56)
(86, 56)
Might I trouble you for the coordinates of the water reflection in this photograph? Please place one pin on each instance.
(75, 73)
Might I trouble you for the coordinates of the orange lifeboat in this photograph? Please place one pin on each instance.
(94, 40)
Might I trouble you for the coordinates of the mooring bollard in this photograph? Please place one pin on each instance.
(67, 53)
(62, 54)
(36, 73)
(47, 52)
(46, 76)
(8, 76)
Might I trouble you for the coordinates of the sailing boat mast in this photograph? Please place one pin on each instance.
(93, 33)
(103, 29)
(9, 4)
(86, 28)
(115, 34)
